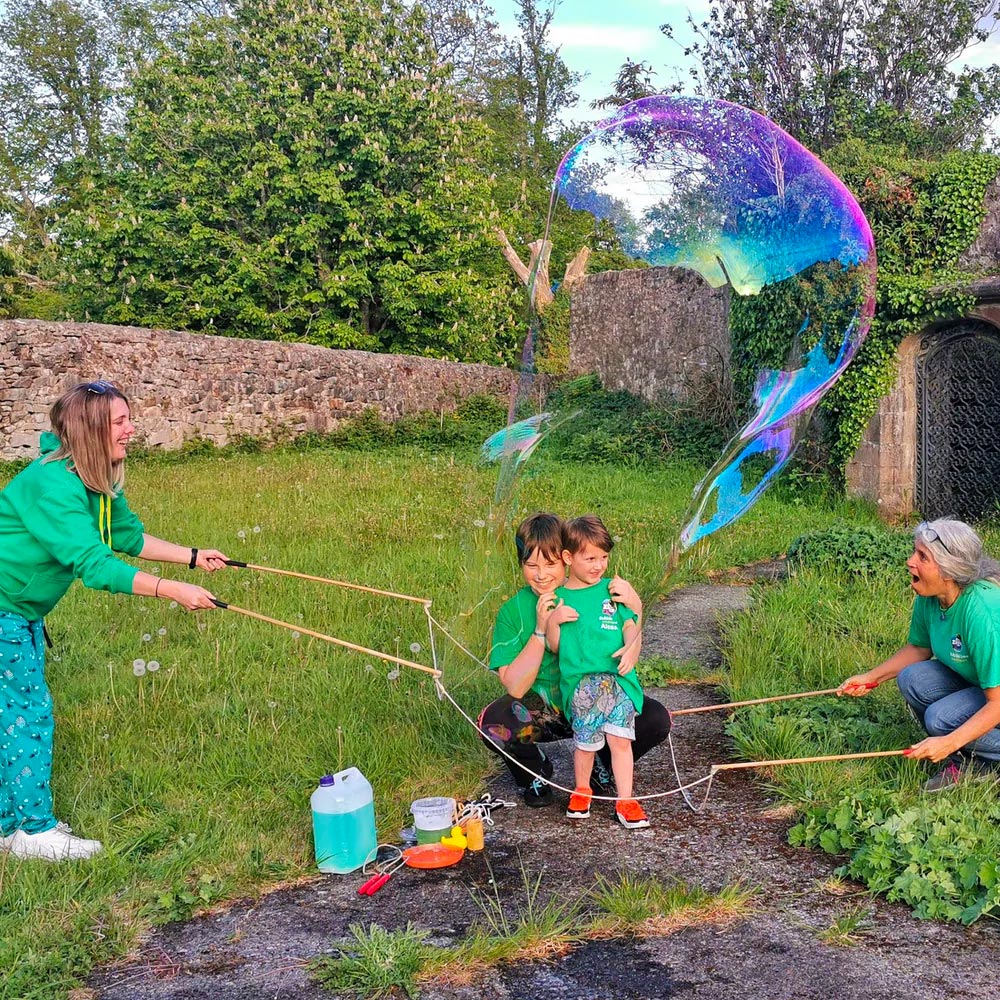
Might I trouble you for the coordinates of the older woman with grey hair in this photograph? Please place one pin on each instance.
(949, 670)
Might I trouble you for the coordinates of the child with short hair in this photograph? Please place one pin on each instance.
(598, 642)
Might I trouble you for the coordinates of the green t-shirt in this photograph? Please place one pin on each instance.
(965, 637)
(51, 534)
(514, 625)
(586, 645)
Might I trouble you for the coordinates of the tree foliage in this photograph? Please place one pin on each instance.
(302, 171)
(830, 70)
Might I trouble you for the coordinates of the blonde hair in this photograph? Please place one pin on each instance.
(81, 419)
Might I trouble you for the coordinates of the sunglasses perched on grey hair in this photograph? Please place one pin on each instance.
(99, 388)
(931, 535)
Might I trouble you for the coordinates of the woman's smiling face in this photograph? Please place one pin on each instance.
(122, 429)
(542, 573)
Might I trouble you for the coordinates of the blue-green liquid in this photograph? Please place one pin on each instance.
(344, 841)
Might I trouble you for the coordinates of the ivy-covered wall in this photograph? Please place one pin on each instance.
(927, 218)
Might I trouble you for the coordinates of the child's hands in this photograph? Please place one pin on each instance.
(543, 609)
(622, 592)
(563, 613)
(628, 655)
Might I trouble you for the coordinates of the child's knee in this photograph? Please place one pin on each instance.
(618, 744)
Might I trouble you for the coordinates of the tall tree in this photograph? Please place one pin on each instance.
(828, 70)
(299, 170)
(466, 36)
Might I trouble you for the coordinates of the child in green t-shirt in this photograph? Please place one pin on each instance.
(598, 642)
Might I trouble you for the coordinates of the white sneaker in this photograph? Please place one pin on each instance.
(57, 844)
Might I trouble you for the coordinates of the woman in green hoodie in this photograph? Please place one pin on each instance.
(62, 519)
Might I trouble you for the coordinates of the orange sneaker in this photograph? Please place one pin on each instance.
(579, 804)
(631, 815)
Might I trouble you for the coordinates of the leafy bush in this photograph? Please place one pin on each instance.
(624, 429)
(850, 549)
(938, 854)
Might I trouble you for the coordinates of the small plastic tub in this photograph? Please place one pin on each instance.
(432, 818)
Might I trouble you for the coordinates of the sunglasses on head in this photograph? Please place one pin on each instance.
(99, 388)
(932, 536)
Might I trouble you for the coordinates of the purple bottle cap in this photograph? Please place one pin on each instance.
(327, 780)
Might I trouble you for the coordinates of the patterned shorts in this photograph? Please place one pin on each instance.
(600, 705)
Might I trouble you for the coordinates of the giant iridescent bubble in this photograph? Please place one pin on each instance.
(723, 191)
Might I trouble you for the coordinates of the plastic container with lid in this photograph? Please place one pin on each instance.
(343, 811)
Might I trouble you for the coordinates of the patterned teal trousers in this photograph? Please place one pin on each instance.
(25, 729)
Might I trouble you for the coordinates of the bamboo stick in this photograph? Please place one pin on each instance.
(329, 638)
(758, 701)
(322, 579)
(808, 760)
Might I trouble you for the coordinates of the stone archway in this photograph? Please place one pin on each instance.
(958, 421)
(934, 445)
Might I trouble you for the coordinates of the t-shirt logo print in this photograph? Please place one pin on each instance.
(956, 645)
(608, 607)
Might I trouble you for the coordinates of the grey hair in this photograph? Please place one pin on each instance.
(958, 551)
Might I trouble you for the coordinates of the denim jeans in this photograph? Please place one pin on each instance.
(942, 700)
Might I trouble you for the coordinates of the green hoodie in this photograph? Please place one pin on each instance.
(51, 534)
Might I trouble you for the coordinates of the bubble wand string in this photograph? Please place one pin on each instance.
(328, 638)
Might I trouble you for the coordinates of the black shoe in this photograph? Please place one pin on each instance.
(602, 781)
(538, 794)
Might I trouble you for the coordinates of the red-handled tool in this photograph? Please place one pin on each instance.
(373, 884)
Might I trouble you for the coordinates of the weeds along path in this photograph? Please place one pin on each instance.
(806, 936)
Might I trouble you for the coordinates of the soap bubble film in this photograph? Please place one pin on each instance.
(720, 190)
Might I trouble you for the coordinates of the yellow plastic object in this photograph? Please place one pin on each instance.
(458, 840)
(474, 834)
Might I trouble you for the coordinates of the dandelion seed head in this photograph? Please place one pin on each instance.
(139, 668)
(146, 637)
(161, 631)
(415, 647)
(153, 666)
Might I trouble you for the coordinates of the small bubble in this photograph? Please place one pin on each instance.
(415, 647)
(146, 637)
(153, 666)
(161, 631)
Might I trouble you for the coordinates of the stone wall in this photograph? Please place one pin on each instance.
(183, 385)
(656, 332)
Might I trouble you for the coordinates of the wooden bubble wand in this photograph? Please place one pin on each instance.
(433, 671)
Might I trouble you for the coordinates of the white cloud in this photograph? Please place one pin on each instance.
(601, 36)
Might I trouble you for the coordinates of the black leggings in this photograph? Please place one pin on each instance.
(518, 725)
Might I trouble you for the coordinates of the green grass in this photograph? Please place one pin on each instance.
(525, 926)
(934, 852)
(197, 777)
